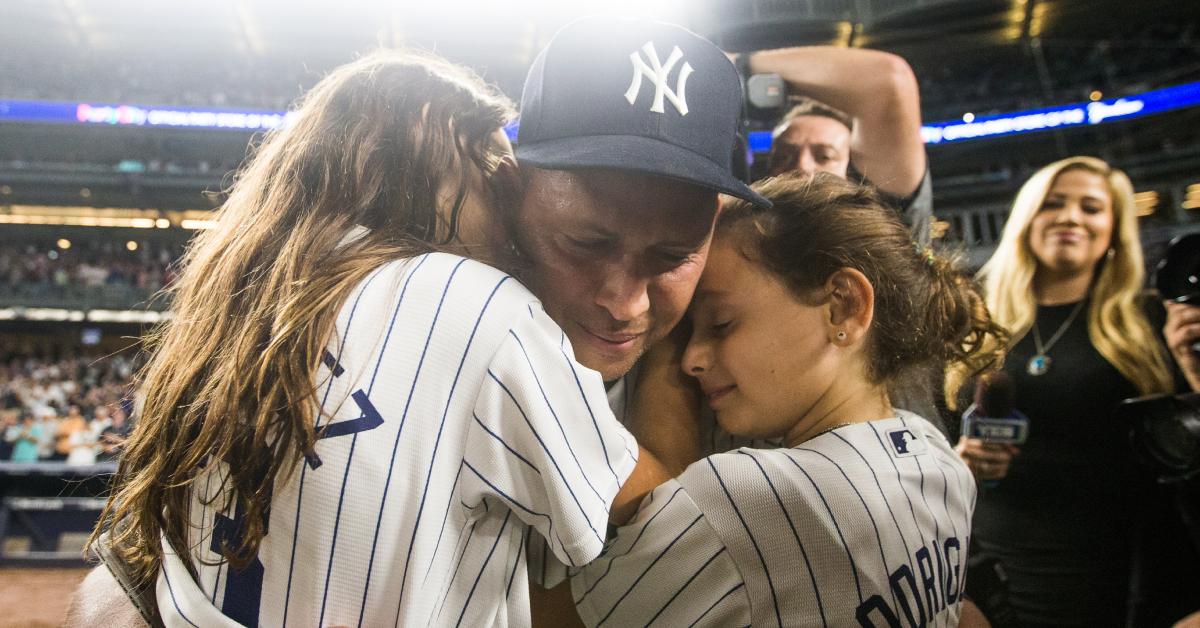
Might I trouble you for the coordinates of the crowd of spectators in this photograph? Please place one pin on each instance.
(134, 163)
(1159, 55)
(153, 80)
(131, 154)
(75, 410)
(49, 269)
(1162, 53)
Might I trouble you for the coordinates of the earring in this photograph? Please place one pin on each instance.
(841, 335)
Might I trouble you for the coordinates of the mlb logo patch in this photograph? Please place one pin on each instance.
(904, 443)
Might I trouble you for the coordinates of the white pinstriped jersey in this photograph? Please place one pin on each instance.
(461, 427)
(547, 571)
(867, 525)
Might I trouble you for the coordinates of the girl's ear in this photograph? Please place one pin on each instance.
(851, 303)
(508, 186)
(507, 182)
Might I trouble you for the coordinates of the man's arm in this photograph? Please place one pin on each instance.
(878, 90)
(663, 418)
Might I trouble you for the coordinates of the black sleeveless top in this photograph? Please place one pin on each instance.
(1061, 521)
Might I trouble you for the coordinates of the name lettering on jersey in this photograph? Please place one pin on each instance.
(906, 443)
(922, 589)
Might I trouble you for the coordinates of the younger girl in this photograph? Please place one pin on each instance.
(804, 314)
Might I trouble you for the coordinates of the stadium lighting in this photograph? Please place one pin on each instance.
(557, 10)
(1146, 203)
(193, 224)
(126, 316)
(50, 314)
(140, 218)
(95, 316)
(1192, 200)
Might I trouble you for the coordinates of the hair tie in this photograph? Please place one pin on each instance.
(925, 252)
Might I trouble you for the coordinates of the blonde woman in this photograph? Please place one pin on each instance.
(1065, 282)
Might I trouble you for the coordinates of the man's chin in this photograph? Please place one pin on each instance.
(611, 367)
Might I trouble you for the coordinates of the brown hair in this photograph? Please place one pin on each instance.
(925, 307)
(377, 143)
(806, 106)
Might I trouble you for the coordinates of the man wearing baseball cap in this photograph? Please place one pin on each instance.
(627, 133)
(627, 136)
(626, 140)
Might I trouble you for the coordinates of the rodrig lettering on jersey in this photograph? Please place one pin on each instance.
(922, 589)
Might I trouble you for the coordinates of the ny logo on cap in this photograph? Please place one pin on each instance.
(658, 73)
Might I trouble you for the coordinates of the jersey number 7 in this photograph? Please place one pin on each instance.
(243, 587)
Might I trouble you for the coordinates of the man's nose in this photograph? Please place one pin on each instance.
(624, 293)
(806, 163)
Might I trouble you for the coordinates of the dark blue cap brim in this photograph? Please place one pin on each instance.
(636, 153)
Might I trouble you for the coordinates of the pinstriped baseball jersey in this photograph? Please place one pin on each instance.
(866, 525)
(547, 571)
(457, 426)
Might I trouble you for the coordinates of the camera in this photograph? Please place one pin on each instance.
(1178, 274)
(1165, 429)
(766, 96)
(1165, 433)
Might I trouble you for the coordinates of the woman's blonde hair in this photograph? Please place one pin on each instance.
(379, 143)
(1117, 326)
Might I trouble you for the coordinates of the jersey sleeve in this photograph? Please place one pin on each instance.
(544, 443)
(544, 567)
(181, 602)
(667, 562)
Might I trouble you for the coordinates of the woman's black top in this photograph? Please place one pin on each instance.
(1061, 521)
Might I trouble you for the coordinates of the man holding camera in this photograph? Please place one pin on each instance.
(859, 112)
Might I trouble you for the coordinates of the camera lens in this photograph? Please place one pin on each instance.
(1165, 431)
(1172, 441)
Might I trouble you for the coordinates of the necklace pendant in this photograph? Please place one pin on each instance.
(1038, 365)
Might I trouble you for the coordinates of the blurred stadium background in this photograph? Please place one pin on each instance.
(121, 120)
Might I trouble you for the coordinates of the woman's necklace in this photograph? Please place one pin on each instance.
(1040, 362)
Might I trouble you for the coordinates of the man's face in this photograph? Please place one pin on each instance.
(812, 144)
(616, 257)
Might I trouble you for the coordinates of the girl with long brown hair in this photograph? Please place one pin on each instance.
(347, 422)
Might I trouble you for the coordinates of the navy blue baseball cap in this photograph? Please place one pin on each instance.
(634, 95)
